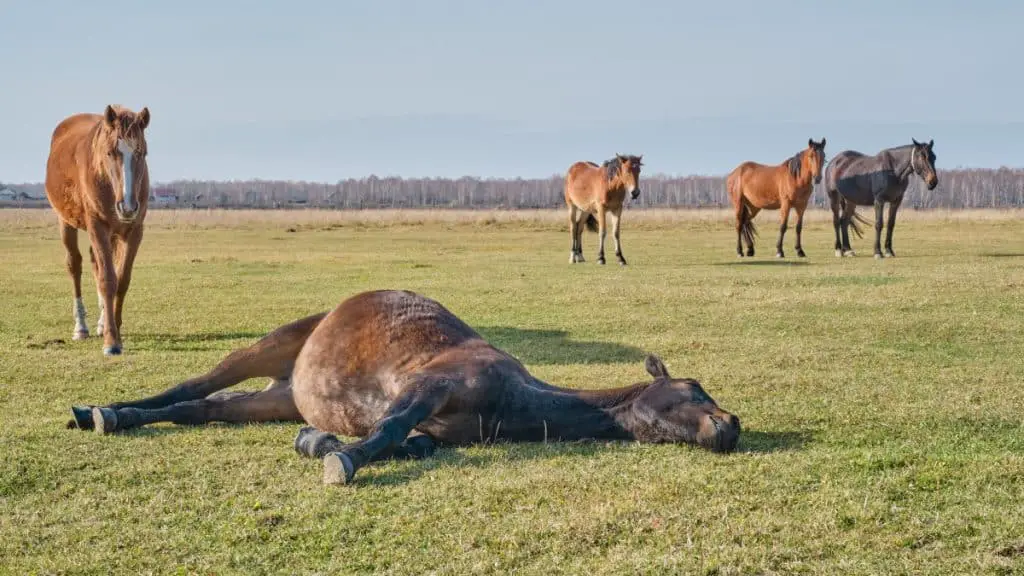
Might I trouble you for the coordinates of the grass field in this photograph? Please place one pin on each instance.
(881, 401)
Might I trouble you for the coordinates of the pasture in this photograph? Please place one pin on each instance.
(881, 401)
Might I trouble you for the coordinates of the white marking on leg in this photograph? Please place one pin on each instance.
(127, 174)
(80, 327)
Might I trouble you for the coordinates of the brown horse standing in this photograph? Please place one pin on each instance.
(754, 187)
(97, 180)
(592, 190)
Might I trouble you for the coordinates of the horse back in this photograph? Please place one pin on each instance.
(69, 152)
(582, 183)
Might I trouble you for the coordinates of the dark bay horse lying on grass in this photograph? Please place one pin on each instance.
(593, 193)
(853, 179)
(754, 187)
(404, 374)
(97, 180)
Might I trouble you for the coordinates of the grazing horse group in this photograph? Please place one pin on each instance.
(399, 370)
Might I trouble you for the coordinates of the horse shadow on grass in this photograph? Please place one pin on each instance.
(776, 263)
(189, 342)
(489, 454)
(554, 347)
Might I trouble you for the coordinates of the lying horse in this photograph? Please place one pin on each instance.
(853, 179)
(406, 375)
(754, 187)
(97, 180)
(599, 190)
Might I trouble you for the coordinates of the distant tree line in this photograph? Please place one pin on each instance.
(969, 188)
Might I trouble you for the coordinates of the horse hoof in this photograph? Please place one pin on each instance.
(839, 253)
(81, 418)
(878, 255)
(309, 440)
(80, 335)
(338, 468)
(112, 350)
(600, 261)
(801, 254)
(622, 262)
(890, 254)
(104, 420)
(849, 254)
(780, 255)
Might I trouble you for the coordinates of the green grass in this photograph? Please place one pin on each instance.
(882, 403)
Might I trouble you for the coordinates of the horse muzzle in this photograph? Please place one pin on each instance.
(933, 183)
(634, 194)
(125, 215)
(719, 432)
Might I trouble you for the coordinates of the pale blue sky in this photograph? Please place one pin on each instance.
(323, 90)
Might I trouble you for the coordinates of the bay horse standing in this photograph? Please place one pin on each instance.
(594, 193)
(754, 187)
(97, 180)
(854, 179)
(404, 374)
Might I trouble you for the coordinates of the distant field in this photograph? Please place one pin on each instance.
(882, 401)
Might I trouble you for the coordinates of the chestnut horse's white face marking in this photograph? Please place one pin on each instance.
(127, 175)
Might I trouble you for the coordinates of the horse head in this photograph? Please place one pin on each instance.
(679, 410)
(122, 144)
(629, 172)
(815, 156)
(922, 162)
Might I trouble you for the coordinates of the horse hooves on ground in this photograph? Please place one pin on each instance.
(839, 253)
(338, 468)
(81, 418)
(878, 255)
(801, 254)
(308, 440)
(780, 255)
(104, 420)
(111, 350)
(849, 254)
(80, 335)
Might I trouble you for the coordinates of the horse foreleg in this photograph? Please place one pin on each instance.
(879, 212)
(616, 216)
(273, 356)
(800, 208)
(69, 237)
(847, 217)
(420, 401)
(602, 231)
(106, 285)
(129, 247)
(573, 226)
(783, 224)
(273, 404)
(313, 443)
(893, 207)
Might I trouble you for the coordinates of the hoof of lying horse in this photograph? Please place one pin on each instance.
(104, 420)
(81, 418)
(309, 441)
(338, 468)
(112, 350)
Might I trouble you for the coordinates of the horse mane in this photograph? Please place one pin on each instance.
(611, 168)
(795, 164)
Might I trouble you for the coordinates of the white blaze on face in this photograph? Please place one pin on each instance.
(127, 175)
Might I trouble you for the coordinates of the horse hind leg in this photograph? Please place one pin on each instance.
(783, 225)
(69, 237)
(313, 443)
(273, 404)
(800, 230)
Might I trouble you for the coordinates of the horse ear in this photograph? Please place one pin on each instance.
(655, 367)
(110, 116)
(810, 142)
(914, 140)
(143, 118)
(931, 143)
(822, 141)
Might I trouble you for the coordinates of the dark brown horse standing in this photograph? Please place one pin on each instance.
(754, 187)
(97, 180)
(592, 190)
(854, 179)
(403, 373)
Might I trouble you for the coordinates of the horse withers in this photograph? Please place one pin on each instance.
(754, 187)
(854, 179)
(593, 193)
(97, 180)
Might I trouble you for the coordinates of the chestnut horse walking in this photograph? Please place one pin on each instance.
(754, 187)
(592, 190)
(97, 180)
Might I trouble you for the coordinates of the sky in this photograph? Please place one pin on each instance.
(332, 89)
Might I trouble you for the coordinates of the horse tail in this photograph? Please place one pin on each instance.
(591, 223)
(852, 220)
(747, 228)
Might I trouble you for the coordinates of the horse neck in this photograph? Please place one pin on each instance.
(804, 179)
(571, 414)
(96, 158)
(901, 161)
